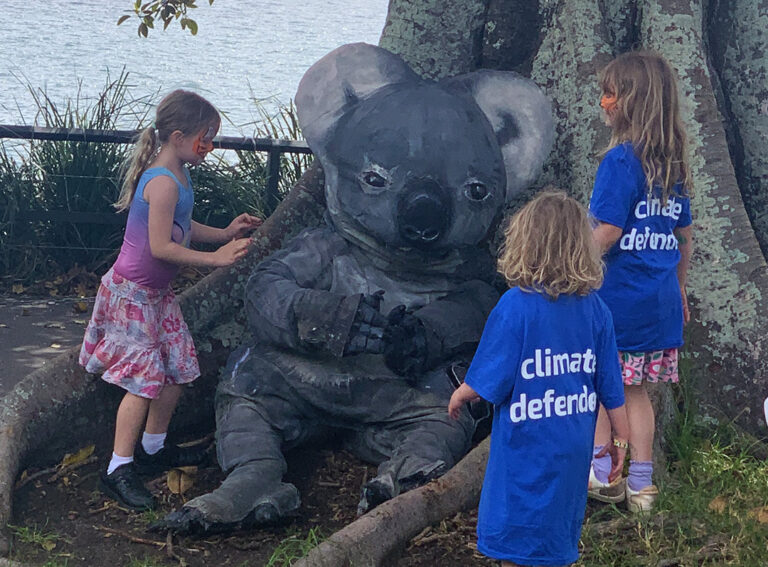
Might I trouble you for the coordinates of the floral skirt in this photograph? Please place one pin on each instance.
(654, 366)
(137, 338)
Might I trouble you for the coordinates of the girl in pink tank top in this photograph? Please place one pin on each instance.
(137, 338)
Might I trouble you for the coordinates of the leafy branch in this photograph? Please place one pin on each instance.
(166, 11)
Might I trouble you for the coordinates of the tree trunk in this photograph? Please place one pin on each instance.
(438, 38)
(738, 39)
(728, 276)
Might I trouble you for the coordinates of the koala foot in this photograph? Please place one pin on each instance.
(191, 521)
(184, 521)
(376, 491)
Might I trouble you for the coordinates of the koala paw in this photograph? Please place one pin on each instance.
(405, 343)
(366, 334)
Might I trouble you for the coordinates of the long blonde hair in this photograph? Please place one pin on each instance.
(548, 247)
(648, 116)
(180, 110)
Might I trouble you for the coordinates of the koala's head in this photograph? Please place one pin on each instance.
(417, 164)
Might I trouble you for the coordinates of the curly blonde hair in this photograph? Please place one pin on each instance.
(180, 110)
(548, 247)
(648, 116)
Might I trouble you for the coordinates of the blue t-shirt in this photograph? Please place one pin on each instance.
(641, 287)
(544, 365)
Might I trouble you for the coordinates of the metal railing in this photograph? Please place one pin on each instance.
(274, 149)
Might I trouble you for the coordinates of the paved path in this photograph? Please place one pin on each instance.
(34, 330)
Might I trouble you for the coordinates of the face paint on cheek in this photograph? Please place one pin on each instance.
(608, 103)
(204, 143)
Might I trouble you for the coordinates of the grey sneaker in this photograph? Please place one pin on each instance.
(613, 492)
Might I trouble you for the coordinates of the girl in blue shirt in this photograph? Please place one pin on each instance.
(546, 358)
(641, 204)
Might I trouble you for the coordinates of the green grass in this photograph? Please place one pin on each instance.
(34, 535)
(294, 547)
(708, 509)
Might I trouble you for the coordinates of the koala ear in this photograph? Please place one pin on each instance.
(340, 79)
(521, 116)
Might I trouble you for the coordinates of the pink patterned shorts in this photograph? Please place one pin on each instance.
(654, 366)
(137, 338)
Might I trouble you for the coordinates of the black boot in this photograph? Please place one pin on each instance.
(168, 457)
(125, 486)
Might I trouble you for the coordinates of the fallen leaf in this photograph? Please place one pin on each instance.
(17, 288)
(77, 458)
(718, 504)
(179, 481)
(760, 514)
(48, 545)
(80, 307)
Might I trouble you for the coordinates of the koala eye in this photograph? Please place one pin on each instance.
(374, 179)
(476, 191)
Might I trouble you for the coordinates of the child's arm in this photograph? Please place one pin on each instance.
(618, 447)
(239, 226)
(685, 244)
(162, 195)
(605, 236)
(461, 396)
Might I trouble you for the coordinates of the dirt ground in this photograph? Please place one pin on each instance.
(66, 521)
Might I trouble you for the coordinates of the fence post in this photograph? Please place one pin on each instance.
(273, 178)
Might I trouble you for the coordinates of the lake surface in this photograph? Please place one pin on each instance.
(244, 50)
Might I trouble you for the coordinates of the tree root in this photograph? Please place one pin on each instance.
(374, 537)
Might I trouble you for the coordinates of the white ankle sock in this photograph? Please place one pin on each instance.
(117, 461)
(152, 442)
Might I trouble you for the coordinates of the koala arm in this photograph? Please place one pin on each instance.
(287, 297)
(455, 322)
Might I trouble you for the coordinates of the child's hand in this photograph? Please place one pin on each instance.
(618, 454)
(241, 225)
(231, 252)
(686, 310)
(461, 396)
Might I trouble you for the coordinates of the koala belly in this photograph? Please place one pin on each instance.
(355, 389)
(353, 274)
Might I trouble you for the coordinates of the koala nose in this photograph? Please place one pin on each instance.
(424, 213)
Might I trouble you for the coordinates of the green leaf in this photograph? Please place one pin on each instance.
(210, 2)
(192, 26)
(167, 23)
(143, 30)
(122, 19)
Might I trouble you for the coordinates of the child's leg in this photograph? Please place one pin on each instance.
(154, 455)
(161, 409)
(130, 418)
(641, 432)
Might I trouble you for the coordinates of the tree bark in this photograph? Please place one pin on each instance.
(728, 339)
(437, 38)
(738, 39)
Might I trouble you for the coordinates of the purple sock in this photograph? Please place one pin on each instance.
(601, 466)
(639, 474)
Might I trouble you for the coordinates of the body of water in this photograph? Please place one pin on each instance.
(244, 50)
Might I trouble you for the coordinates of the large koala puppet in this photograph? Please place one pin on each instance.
(357, 322)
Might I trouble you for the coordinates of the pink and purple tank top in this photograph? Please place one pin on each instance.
(135, 261)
